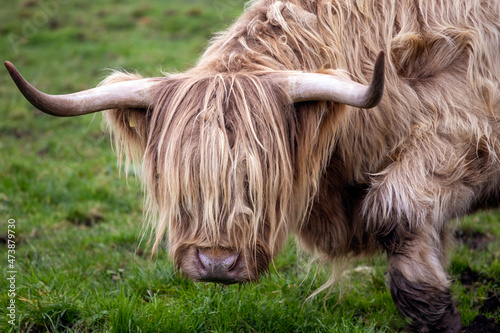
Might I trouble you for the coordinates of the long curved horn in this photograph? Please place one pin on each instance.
(127, 94)
(304, 87)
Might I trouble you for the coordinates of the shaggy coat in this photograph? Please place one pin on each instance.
(229, 162)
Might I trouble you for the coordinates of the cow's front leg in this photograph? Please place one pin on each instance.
(418, 283)
(406, 208)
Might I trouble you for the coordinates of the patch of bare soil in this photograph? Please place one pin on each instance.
(491, 304)
(474, 239)
(470, 277)
(15, 132)
(482, 324)
(89, 219)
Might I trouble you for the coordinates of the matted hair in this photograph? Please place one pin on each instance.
(217, 159)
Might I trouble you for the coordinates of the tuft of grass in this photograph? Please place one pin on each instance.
(79, 265)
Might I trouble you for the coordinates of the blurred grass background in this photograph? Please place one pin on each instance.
(80, 268)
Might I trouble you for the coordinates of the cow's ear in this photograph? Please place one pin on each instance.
(128, 127)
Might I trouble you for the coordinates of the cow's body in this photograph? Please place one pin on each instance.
(230, 164)
(395, 174)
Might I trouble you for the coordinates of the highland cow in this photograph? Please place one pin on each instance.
(271, 133)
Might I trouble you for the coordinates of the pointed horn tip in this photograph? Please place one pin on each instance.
(380, 61)
(377, 83)
(14, 73)
(10, 66)
(381, 55)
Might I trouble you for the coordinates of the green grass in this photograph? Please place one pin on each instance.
(79, 265)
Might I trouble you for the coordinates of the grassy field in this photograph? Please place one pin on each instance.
(78, 262)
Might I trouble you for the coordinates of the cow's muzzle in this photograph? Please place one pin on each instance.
(219, 265)
(226, 265)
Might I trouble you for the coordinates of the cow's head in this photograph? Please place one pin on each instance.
(217, 155)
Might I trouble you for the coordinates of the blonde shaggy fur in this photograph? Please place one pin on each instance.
(228, 161)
